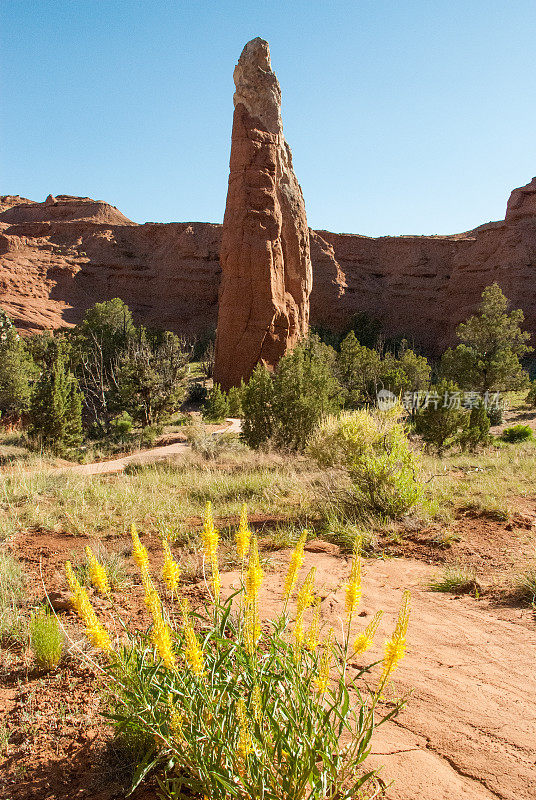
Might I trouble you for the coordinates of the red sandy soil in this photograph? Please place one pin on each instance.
(468, 731)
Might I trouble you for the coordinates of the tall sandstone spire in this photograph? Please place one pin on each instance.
(264, 256)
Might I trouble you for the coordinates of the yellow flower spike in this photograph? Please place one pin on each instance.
(296, 561)
(163, 644)
(215, 580)
(170, 570)
(192, 651)
(95, 631)
(365, 640)
(305, 599)
(395, 646)
(139, 552)
(245, 745)
(353, 587)
(311, 639)
(252, 628)
(254, 574)
(243, 534)
(209, 534)
(257, 703)
(322, 681)
(97, 573)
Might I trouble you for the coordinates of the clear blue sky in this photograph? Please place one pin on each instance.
(403, 117)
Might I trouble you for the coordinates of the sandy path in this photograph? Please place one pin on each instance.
(145, 456)
(469, 729)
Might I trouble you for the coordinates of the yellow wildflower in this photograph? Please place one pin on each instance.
(245, 745)
(170, 570)
(353, 587)
(252, 627)
(95, 631)
(192, 651)
(296, 561)
(163, 644)
(311, 639)
(256, 699)
(395, 646)
(139, 552)
(209, 534)
(215, 580)
(322, 681)
(243, 534)
(305, 598)
(254, 574)
(365, 640)
(97, 573)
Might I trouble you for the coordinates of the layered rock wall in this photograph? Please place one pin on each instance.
(420, 286)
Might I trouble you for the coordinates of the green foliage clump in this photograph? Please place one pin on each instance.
(305, 391)
(531, 395)
(454, 578)
(151, 376)
(257, 402)
(16, 371)
(56, 406)
(441, 422)
(217, 405)
(46, 639)
(491, 346)
(375, 451)
(517, 433)
(477, 431)
(11, 590)
(235, 400)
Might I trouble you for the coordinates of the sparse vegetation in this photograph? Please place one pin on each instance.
(517, 433)
(46, 639)
(456, 578)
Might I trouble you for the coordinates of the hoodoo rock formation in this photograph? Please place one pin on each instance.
(264, 256)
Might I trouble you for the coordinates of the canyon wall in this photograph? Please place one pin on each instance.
(56, 263)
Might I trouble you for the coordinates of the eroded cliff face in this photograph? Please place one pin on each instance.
(51, 271)
(264, 255)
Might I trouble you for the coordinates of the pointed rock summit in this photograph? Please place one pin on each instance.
(265, 258)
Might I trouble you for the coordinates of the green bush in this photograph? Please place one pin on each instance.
(375, 451)
(477, 431)
(235, 400)
(495, 415)
(217, 405)
(517, 433)
(257, 402)
(531, 394)
(46, 639)
(440, 423)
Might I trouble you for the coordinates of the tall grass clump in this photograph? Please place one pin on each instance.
(11, 594)
(375, 451)
(46, 639)
(233, 707)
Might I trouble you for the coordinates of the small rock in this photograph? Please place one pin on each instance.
(318, 546)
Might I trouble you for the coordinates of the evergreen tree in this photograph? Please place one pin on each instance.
(56, 406)
(441, 421)
(216, 404)
(305, 390)
(492, 343)
(235, 400)
(16, 369)
(359, 369)
(257, 407)
(477, 431)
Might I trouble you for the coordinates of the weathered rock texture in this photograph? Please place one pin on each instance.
(265, 259)
(51, 271)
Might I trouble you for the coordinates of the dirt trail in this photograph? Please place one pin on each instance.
(145, 456)
(469, 729)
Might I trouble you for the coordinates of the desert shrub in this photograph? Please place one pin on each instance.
(495, 415)
(197, 393)
(121, 426)
(257, 400)
(375, 451)
(305, 390)
(525, 586)
(233, 709)
(235, 400)
(477, 430)
(46, 639)
(209, 445)
(150, 434)
(441, 422)
(531, 394)
(454, 578)
(216, 405)
(517, 433)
